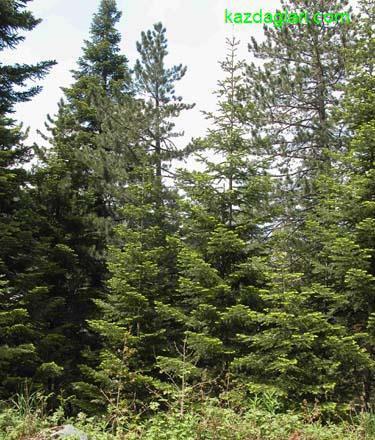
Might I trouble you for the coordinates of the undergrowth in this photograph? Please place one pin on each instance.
(26, 418)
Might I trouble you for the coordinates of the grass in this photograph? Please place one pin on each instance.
(25, 418)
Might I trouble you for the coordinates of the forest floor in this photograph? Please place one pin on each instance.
(208, 422)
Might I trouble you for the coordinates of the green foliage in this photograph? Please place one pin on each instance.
(74, 210)
(156, 85)
(18, 353)
(234, 300)
(300, 349)
(208, 421)
(25, 415)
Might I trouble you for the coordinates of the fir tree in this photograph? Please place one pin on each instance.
(142, 277)
(222, 219)
(336, 285)
(17, 335)
(339, 231)
(102, 75)
(300, 350)
(71, 200)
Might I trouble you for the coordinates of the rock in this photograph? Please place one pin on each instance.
(69, 430)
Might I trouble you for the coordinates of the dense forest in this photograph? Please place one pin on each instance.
(136, 288)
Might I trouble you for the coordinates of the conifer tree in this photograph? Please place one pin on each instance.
(339, 232)
(294, 88)
(301, 351)
(102, 75)
(17, 335)
(222, 220)
(140, 277)
(142, 268)
(142, 262)
(322, 313)
(70, 197)
(155, 82)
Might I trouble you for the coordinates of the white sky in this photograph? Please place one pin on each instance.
(195, 29)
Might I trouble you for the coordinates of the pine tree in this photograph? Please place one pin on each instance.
(17, 351)
(294, 88)
(143, 259)
(156, 84)
(339, 231)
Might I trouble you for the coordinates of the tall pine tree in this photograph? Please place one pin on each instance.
(155, 82)
(294, 87)
(143, 262)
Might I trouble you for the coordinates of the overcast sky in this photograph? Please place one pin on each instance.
(195, 29)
